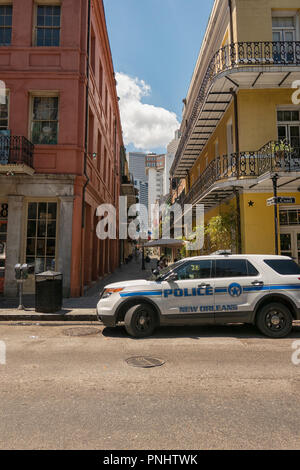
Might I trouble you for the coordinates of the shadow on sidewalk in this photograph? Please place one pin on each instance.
(126, 272)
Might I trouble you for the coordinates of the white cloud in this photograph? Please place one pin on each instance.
(145, 126)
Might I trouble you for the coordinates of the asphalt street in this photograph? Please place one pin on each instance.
(220, 388)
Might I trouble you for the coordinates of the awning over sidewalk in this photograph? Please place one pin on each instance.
(165, 242)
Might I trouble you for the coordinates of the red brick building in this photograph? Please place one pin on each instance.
(59, 145)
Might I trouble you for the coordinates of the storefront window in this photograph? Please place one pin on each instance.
(41, 236)
(289, 217)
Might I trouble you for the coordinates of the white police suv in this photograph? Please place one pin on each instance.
(259, 289)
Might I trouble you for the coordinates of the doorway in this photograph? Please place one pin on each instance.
(290, 233)
(290, 244)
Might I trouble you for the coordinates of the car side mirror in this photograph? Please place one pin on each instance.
(173, 277)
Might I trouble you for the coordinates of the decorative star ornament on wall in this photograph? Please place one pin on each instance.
(251, 204)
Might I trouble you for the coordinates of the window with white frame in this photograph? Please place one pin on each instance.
(5, 24)
(44, 121)
(284, 28)
(284, 37)
(47, 29)
(288, 126)
(289, 216)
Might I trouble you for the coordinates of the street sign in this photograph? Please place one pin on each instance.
(280, 200)
(271, 201)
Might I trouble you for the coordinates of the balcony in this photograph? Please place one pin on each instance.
(247, 170)
(255, 53)
(16, 155)
(128, 189)
(247, 65)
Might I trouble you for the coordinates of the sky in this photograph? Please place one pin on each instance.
(155, 45)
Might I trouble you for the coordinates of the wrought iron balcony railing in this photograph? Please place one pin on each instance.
(256, 53)
(237, 55)
(16, 150)
(272, 157)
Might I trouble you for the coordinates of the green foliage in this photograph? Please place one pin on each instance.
(183, 253)
(282, 146)
(221, 230)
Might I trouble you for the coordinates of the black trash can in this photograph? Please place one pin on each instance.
(48, 292)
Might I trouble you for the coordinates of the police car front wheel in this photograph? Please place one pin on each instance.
(275, 320)
(140, 321)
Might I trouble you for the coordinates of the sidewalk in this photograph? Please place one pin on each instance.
(75, 309)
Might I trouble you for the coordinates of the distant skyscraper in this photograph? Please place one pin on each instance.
(137, 167)
(136, 161)
(173, 145)
(155, 165)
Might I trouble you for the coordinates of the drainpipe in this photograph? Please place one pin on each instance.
(85, 140)
(86, 114)
(236, 123)
(231, 21)
(237, 151)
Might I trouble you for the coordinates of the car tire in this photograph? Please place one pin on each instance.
(274, 320)
(140, 321)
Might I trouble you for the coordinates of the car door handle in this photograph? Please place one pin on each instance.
(257, 283)
(203, 285)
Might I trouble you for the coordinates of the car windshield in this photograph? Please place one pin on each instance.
(163, 273)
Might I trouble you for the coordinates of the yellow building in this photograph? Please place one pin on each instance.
(240, 131)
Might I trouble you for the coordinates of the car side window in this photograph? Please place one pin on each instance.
(252, 271)
(234, 268)
(195, 270)
(286, 267)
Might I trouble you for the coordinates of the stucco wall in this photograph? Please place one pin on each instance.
(254, 18)
(258, 116)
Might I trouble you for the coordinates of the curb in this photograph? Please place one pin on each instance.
(48, 317)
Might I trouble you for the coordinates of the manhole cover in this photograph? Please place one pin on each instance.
(81, 331)
(145, 362)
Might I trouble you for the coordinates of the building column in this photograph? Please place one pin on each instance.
(14, 243)
(65, 241)
(88, 246)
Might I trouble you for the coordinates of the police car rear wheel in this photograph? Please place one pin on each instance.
(140, 321)
(275, 320)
